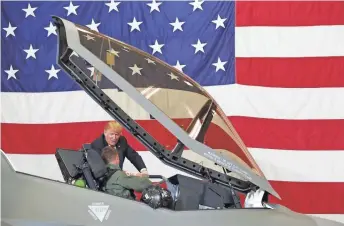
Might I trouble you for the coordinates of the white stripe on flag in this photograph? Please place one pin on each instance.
(269, 41)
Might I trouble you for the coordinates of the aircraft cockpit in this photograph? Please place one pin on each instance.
(178, 192)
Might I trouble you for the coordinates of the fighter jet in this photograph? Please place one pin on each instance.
(207, 149)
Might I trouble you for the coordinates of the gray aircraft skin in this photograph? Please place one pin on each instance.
(32, 200)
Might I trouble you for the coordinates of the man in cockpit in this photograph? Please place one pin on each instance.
(120, 183)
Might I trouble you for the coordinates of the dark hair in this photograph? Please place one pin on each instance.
(109, 153)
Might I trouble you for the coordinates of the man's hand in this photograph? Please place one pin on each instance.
(144, 172)
(130, 173)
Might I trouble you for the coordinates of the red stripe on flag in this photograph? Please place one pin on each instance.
(289, 13)
(290, 134)
(45, 138)
(311, 197)
(255, 132)
(291, 72)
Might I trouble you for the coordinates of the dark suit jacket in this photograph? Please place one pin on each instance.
(124, 151)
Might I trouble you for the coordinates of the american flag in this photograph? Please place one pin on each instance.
(276, 69)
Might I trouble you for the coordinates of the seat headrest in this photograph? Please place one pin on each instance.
(96, 163)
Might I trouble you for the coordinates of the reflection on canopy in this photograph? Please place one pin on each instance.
(175, 94)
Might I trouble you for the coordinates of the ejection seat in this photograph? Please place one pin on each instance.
(87, 164)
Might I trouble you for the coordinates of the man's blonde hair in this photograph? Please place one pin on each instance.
(113, 125)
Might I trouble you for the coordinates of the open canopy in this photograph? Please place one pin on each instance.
(117, 72)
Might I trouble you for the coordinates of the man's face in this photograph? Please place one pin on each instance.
(112, 136)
